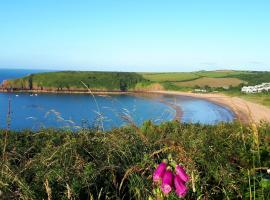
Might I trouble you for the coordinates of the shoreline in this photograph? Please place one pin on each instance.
(245, 111)
(66, 92)
(149, 95)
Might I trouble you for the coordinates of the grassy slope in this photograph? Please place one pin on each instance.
(73, 80)
(165, 77)
(222, 159)
(212, 82)
(262, 98)
(113, 80)
(184, 80)
(188, 76)
(188, 81)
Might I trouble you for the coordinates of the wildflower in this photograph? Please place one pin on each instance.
(181, 173)
(167, 181)
(180, 187)
(159, 172)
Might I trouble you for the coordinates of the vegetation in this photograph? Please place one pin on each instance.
(260, 98)
(254, 78)
(72, 80)
(225, 161)
(211, 82)
(167, 77)
(226, 81)
(123, 81)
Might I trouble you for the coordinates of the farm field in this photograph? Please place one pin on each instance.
(212, 82)
(188, 76)
(164, 77)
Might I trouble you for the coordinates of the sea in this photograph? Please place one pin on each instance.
(35, 111)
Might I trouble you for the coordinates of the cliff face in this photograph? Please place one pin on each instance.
(4, 84)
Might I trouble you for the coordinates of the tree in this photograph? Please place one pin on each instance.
(30, 82)
(123, 86)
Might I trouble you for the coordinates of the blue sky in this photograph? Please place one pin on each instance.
(135, 35)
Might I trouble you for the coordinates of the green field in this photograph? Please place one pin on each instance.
(211, 82)
(224, 161)
(123, 81)
(261, 98)
(221, 73)
(215, 79)
(189, 76)
(74, 80)
(165, 77)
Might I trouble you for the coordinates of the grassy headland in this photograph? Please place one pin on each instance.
(75, 80)
(124, 81)
(225, 81)
(224, 161)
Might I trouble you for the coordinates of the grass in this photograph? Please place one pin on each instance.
(221, 73)
(67, 80)
(260, 98)
(122, 81)
(167, 77)
(190, 76)
(228, 161)
(212, 82)
(254, 78)
(263, 99)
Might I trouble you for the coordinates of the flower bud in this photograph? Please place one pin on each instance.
(159, 172)
(181, 173)
(180, 187)
(167, 182)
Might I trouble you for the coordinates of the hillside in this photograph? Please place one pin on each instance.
(222, 80)
(214, 79)
(225, 161)
(76, 80)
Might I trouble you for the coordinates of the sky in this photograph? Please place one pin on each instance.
(135, 35)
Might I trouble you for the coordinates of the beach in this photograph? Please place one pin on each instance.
(244, 110)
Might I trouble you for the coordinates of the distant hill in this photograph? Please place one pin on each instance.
(77, 80)
(214, 79)
(131, 81)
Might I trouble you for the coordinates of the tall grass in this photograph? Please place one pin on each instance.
(224, 161)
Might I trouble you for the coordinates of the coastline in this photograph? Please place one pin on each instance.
(178, 110)
(67, 92)
(245, 111)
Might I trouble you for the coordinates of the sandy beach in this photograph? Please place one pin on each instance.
(245, 111)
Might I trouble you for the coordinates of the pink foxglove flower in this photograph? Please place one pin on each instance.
(181, 173)
(167, 182)
(180, 187)
(159, 172)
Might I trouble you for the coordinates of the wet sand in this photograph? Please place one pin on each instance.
(245, 111)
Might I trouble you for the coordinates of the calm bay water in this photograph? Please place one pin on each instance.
(80, 110)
